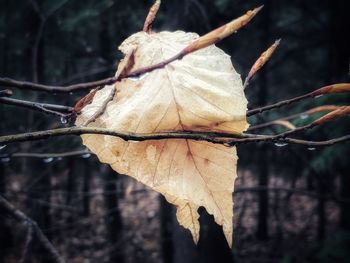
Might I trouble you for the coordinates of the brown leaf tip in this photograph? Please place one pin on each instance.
(151, 16)
(341, 111)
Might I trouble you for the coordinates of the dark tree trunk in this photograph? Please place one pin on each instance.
(114, 223)
(166, 216)
(263, 180)
(321, 214)
(212, 245)
(86, 188)
(6, 241)
(39, 197)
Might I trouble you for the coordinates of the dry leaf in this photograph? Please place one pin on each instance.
(200, 92)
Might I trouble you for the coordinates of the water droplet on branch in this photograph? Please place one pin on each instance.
(86, 155)
(281, 144)
(311, 148)
(304, 116)
(48, 160)
(64, 120)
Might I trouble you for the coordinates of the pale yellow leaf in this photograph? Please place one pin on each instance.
(200, 92)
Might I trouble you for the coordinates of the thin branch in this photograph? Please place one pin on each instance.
(55, 89)
(228, 139)
(125, 136)
(81, 75)
(222, 32)
(312, 144)
(124, 66)
(201, 42)
(47, 155)
(103, 107)
(27, 242)
(20, 216)
(57, 110)
(304, 114)
(335, 88)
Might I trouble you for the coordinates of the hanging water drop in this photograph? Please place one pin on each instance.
(311, 148)
(304, 116)
(48, 160)
(59, 159)
(2, 147)
(281, 144)
(318, 96)
(64, 120)
(86, 155)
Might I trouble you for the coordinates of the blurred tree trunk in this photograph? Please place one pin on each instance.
(263, 202)
(321, 214)
(114, 223)
(212, 245)
(39, 197)
(6, 241)
(339, 65)
(72, 177)
(86, 188)
(345, 194)
(38, 171)
(184, 249)
(166, 222)
(5, 236)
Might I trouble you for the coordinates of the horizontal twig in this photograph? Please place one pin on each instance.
(211, 137)
(46, 155)
(55, 89)
(228, 139)
(201, 42)
(52, 109)
(335, 88)
(303, 115)
(31, 104)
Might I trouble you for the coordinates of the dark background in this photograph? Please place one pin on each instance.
(292, 204)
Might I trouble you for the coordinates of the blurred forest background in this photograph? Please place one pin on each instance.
(292, 204)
